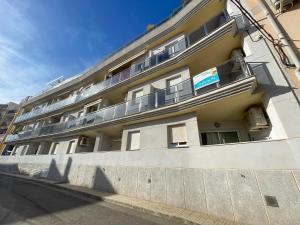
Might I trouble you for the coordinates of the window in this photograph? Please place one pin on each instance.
(172, 84)
(174, 81)
(70, 149)
(212, 138)
(173, 48)
(65, 118)
(54, 148)
(36, 149)
(177, 136)
(136, 96)
(139, 67)
(24, 150)
(80, 114)
(92, 109)
(133, 140)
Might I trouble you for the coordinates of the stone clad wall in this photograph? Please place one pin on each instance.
(233, 194)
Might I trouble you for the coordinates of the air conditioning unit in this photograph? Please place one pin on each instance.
(179, 145)
(256, 119)
(84, 141)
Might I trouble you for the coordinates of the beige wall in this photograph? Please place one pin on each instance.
(154, 134)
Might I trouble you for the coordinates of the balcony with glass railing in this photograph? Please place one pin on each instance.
(134, 70)
(231, 72)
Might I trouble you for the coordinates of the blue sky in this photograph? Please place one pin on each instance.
(41, 40)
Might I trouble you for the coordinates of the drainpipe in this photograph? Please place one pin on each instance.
(286, 45)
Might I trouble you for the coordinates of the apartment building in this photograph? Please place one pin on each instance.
(196, 113)
(7, 114)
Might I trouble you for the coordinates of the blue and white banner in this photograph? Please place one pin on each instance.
(206, 78)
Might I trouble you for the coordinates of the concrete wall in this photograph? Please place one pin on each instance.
(230, 181)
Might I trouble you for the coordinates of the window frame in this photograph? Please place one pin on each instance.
(129, 140)
(218, 132)
(54, 148)
(177, 144)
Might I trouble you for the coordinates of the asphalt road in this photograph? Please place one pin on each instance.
(24, 202)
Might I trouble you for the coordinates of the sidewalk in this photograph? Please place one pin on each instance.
(159, 209)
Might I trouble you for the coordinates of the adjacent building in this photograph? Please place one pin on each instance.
(7, 114)
(197, 113)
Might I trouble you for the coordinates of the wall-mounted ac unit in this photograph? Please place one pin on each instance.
(83, 141)
(256, 119)
(179, 145)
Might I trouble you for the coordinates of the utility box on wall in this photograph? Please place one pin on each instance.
(256, 119)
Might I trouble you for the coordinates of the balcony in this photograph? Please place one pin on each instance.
(133, 71)
(232, 72)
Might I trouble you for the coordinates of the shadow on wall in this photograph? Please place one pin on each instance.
(101, 180)
(57, 173)
(21, 198)
(88, 176)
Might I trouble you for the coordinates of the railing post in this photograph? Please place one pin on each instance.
(126, 108)
(176, 93)
(140, 104)
(156, 99)
(114, 114)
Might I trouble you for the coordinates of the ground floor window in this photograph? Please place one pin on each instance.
(177, 136)
(71, 147)
(54, 148)
(133, 140)
(211, 138)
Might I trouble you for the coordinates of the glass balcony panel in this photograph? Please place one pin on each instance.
(125, 74)
(171, 94)
(89, 118)
(120, 110)
(72, 123)
(197, 35)
(106, 83)
(133, 106)
(109, 113)
(160, 98)
(185, 90)
(99, 116)
(115, 79)
(216, 22)
(148, 102)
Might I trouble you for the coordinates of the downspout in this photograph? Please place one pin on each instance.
(286, 45)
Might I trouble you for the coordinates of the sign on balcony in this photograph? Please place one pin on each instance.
(206, 78)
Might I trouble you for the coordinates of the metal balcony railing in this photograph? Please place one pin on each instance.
(134, 70)
(228, 73)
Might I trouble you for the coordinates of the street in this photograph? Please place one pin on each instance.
(24, 202)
